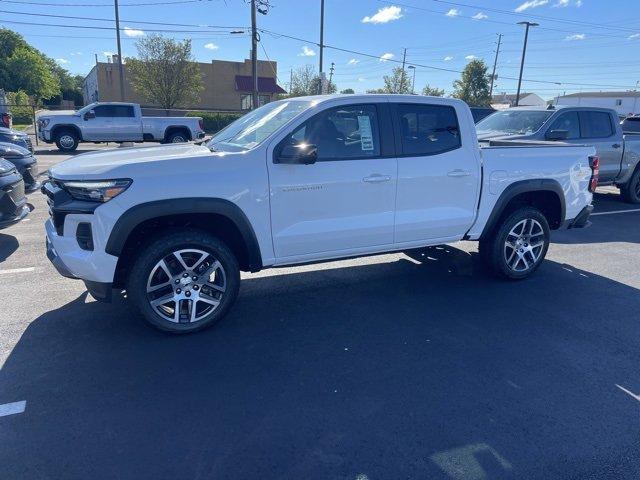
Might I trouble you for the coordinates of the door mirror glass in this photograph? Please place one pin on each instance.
(557, 135)
(302, 153)
(89, 115)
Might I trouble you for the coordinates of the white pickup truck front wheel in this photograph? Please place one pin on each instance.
(518, 245)
(185, 281)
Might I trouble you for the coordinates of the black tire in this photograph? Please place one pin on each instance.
(177, 137)
(67, 140)
(163, 248)
(495, 252)
(631, 190)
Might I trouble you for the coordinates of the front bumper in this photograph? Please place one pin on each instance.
(22, 213)
(45, 135)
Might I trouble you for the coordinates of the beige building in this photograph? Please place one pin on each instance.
(227, 85)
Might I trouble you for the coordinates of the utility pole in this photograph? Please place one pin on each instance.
(495, 64)
(115, 3)
(524, 52)
(321, 43)
(413, 83)
(331, 72)
(404, 59)
(254, 56)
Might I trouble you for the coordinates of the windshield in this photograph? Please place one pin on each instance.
(251, 129)
(513, 122)
(86, 108)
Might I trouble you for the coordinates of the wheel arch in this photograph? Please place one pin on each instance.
(545, 194)
(66, 126)
(176, 128)
(217, 216)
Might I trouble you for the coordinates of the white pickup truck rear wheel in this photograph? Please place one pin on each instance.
(185, 281)
(518, 245)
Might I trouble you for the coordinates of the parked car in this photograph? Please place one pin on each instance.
(619, 154)
(481, 112)
(13, 203)
(631, 124)
(115, 122)
(8, 135)
(305, 180)
(24, 162)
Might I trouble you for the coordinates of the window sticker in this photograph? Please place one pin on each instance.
(366, 134)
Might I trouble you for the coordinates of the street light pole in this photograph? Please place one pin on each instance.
(321, 36)
(254, 57)
(413, 83)
(524, 51)
(120, 69)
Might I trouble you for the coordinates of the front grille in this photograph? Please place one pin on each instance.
(29, 144)
(12, 200)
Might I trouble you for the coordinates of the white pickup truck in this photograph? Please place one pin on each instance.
(305, 180)
(115, 122)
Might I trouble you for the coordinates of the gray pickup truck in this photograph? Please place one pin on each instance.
(115, 122)
(619, 153)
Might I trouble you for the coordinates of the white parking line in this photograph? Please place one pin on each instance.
(12, 408)
(631, 394)
(616, 211)
(10, 271)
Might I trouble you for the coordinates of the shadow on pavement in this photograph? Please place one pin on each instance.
(8, 245)
(405, 369)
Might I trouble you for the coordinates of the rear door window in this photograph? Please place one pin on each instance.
(596, 125)
(428, 129)
(111, 111)
(567, 121)
(631, 125)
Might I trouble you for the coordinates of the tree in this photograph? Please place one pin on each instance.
(432, 91)
(397, 82)
(348, 90)
(473, 86)
(26, 69)
(306, 81)
(165, 72)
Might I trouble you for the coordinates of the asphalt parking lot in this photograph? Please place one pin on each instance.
(377, 368)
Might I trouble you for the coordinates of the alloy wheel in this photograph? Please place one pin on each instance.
(524, 245)
(186, 285)
(67, 141)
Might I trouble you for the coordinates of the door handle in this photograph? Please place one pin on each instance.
(458, 172)
(376, 178)
(616, 145)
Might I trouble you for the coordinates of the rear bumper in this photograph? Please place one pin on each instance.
(581, 220)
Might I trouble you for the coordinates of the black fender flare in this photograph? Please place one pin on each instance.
(177, 127)
(134, 216)
(65, 126)
(518, 188)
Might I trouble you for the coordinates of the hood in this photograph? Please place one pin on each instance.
(59, 116)
(12, 150)
(10, 131)
(116, 161)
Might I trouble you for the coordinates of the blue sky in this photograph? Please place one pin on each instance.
(582, 44)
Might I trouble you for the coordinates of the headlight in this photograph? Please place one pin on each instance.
(95, 191)
(44, 122)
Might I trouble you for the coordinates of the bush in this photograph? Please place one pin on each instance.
(22, 114)
(215, 121)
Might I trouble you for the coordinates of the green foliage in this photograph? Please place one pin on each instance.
(165, 72)
(397, 82)
(348, 90)
(215, 121)
(306, 81)
(473, 86)
(22, 114)
(27, 69)
(432, 91)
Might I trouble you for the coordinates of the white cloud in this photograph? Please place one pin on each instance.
(353, 61)
(108, 54)
(132, 32)
(211, 46)
(306, 52)
(566, 3)
(454, 12)
(480, 16)
(531, 4)
(578, 3)
(384, 15)
(362, 79)
(448, 58)
(576, 36)
(62, 61)
(73, 54)
(386, 56)
(634, 36)
(470, 57)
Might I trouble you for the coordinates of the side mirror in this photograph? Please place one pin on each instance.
(89, 115)
(302, 154)
(557, 135)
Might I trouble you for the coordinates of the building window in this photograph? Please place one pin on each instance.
(245, 101)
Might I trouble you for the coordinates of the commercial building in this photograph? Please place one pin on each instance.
(227, 85)
(504, 100)
(625, 103)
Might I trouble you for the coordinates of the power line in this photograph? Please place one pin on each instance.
(47, 4)
(95, 27)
